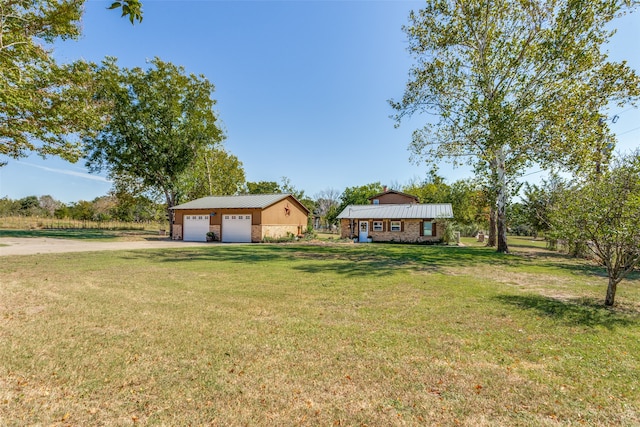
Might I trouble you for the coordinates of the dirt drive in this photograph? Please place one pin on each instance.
(31, 246)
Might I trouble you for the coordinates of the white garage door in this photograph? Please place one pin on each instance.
(195, 228)
(236, 228)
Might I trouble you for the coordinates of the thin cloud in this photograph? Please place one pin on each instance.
(68, 172)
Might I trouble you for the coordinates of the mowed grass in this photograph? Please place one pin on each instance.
(85, 234)
(310, 335)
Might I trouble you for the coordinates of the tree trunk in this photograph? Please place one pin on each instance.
(611, 292)
(502, 202)
(491, 242)
(206, 163)
(502, 231)
(171, 202)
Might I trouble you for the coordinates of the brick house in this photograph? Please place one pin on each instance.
(393, 216)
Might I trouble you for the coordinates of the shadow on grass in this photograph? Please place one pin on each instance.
(573, 312)
(347, 259)
(78, 234)
(369, 259)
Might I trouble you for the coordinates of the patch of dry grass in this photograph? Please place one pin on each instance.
(313, 335)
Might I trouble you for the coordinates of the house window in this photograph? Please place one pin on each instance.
(396, 226)
(377, 225)
(427, 228)
(376, 201)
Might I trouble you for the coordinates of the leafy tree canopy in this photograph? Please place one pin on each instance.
(159, 121)
(44, 106)
(358, 195)
(604, 213)
(511, 83)
(214, 172)
(262, 187)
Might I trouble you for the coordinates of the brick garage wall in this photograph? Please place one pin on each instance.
(256, 233)
(177, 232)
(215, 229)
(276, 231)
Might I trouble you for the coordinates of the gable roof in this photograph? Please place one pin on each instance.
(394, 192)
(245, 201)
(404, 211)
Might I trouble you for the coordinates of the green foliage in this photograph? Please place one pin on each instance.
(603, 216)
(213, 172)
(518, 221)
(532, 215)
(8, 207)
(45, 106)
(434, 189)
(448, 234)
(326, 203)
(262, 187)
(159, 121)
(512, 83)
(130, 8)
(29, 205)
(468, 200)
(358, 195)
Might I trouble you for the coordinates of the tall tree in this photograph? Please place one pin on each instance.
(159, 121)
(262, 187)
(358, 195)
(511, 83)
(326, 205)
(540, 200)
(44, 106)
(605, 213)
(214, 172)
(48, 204)
(433, 189)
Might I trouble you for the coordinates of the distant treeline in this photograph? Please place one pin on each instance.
(108, 208)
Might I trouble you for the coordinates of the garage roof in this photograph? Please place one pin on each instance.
(252, 201)
(405, 211)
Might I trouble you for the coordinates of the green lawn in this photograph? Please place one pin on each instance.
(84, 234)
(330, 334)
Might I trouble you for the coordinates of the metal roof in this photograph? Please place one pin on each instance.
(252, 201)
(404, 211)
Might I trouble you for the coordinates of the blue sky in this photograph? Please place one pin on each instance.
(302, 88)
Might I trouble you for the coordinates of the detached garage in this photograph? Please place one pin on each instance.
(239, 219)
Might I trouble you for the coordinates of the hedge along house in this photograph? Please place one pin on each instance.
(407, 222)
(237, 219)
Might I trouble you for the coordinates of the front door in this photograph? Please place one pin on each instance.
(363, 226)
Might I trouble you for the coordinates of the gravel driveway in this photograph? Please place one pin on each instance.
(31, 246)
